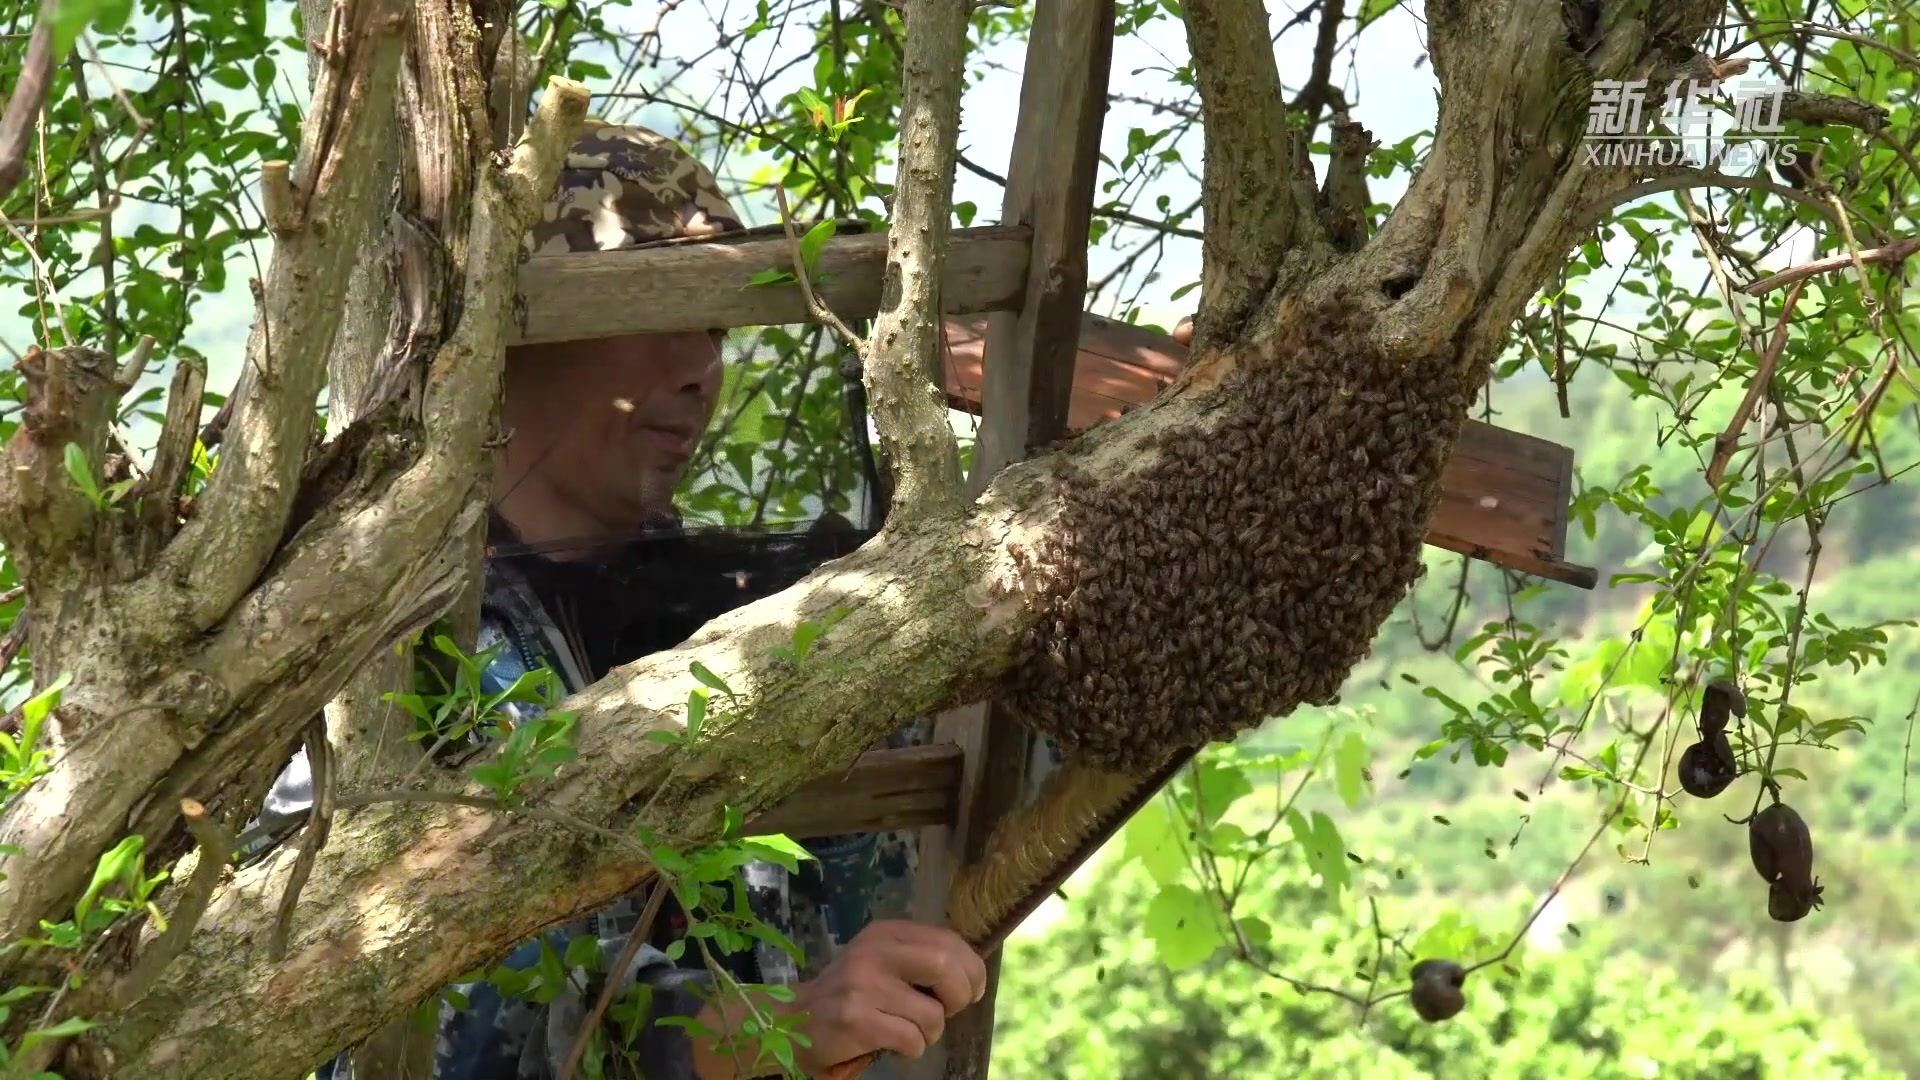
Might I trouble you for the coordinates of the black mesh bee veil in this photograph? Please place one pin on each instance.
(784, 480)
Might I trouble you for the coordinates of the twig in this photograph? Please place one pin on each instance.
(1312, 97)
(106, 72)
(1725, 444)
(1794, 26)
(158, 495)
(216, 849)
(29, 95)
(216, 428)
(819, 308)
(319, 824)
(1099, 211)
(1898, 251)
(1379, 958)
(42, 274)
(1681, 179)
(1906, 755)
(635, 939)
(109, 292)
(10, 646)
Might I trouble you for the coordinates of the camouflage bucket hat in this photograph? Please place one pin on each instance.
(623, 186)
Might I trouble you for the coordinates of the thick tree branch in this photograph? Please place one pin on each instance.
(383, 557)
(1498, 201)
(29, 94)
(1252, 207)
(908, 408)
(242, 516)
(943, 603)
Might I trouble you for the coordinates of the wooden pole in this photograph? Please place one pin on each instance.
(1028, 384)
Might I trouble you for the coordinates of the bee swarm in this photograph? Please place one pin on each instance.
(1245, 570)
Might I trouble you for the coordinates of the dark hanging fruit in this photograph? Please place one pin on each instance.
(1438, 989)
(1720, 700)
(1781, 847)
(1788, 903)
(1707, 767)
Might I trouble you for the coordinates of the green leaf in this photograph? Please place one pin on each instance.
(1373, 9)
(1184, 925)
(583, 952)
(1350, 761)
(117, 864)
(74, 17)
(1256, 931)
(1157, 840)
(1648, 659)
(696, 712)
(231, 78)
(816, 106)
(1219, 785)
(80, 470)
(812, 244)
(1326, 851)
(777, 847)
(35, 710)
(804, 636)
(1582, 680)
(65, 1029)
(771, 276)
(701, 672)
(14, 995)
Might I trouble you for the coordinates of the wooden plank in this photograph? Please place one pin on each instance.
(885, 789)
(1503, 497)
(671, 288)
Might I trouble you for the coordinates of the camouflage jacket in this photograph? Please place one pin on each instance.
(858, 878)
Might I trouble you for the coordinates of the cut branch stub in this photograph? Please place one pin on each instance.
(45, 519)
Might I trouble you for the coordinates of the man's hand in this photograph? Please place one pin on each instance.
(892, 988)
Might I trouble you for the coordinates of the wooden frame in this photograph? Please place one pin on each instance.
(1504, 495)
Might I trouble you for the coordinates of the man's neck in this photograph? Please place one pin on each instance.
(559, 528)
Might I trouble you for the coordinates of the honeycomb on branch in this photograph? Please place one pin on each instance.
(1246, 569)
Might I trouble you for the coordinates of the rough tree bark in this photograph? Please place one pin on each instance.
(204, 662)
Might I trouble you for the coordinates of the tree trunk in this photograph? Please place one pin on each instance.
(1273, 499)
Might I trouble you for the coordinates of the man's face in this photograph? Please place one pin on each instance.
(609, 425)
